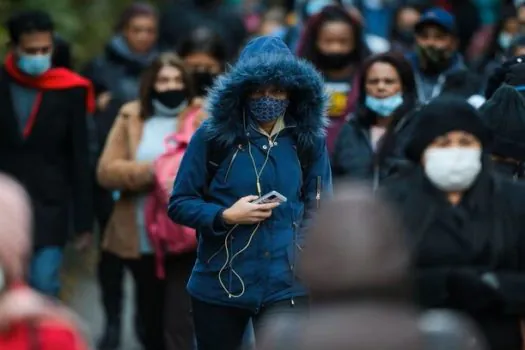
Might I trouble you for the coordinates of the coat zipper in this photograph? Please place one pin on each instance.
(294, 256)
(231, 267)
(318, 192)
(239, 147)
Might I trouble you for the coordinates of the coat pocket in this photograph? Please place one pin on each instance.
(211, 255)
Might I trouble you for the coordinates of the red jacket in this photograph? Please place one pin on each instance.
(46, 333)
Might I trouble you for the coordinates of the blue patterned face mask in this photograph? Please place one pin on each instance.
(384, 106)
(266, 109)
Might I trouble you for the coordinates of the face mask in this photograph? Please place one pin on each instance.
(504, 40)
(452, 169)
(170, 98)
(334, 61)
(203, 80)
(266, 109)
(434, 58)
(34, 65)
(384, 106)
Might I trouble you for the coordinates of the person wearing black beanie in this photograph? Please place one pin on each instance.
(441, 116)
(504, 114)
(464, 223)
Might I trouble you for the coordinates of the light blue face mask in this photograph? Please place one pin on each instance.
(34, 65)
(384, 106)
(504, 40)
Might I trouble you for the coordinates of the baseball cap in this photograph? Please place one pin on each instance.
(439, 17)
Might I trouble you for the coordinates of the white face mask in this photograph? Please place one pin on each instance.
(452, 169)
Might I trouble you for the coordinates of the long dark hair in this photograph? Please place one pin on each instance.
(149, 77)
(307, 47)
(368, 118)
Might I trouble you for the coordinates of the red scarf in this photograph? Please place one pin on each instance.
(53, 79)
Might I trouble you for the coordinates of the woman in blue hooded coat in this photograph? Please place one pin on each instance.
(267, 112)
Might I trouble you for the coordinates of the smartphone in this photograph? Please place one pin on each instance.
(271, 197)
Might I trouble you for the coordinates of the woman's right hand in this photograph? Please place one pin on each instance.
(243, 212)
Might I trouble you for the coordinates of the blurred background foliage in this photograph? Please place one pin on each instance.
(87, 24)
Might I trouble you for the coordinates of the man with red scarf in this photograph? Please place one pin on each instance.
(44, 142)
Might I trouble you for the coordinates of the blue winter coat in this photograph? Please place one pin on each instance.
(266, 267)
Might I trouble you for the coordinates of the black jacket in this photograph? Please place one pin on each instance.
(354, 157)
(53, 162)
(454, 248)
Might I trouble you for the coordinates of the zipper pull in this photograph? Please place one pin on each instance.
(318, 192)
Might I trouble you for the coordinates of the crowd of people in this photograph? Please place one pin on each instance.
(209, 144)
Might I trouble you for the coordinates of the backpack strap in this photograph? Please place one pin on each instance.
(216, 153)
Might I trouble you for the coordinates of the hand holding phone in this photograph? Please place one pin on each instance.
(246, 212)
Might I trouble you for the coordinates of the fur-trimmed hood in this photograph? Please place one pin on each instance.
(268, 61)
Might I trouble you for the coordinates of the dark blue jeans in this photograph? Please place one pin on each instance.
(44, 273)
(223, 328)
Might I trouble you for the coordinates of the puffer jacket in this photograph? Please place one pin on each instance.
(266, 266)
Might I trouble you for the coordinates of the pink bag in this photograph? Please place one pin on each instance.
(166, 236)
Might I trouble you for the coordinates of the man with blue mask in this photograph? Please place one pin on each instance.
(44, 142)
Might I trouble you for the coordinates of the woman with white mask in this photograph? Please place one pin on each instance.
(370, 146)
(464, 225)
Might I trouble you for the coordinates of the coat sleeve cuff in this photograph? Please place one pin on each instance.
(217, 226)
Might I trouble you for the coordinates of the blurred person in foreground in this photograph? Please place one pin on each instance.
(464, 224)
(28, 320)
(44, 142)
(438, 65)
(356, 268)
(366, 304)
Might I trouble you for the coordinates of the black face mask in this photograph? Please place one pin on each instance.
(435, 60)
(335, 61)
(170, 98)
(203, 80)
